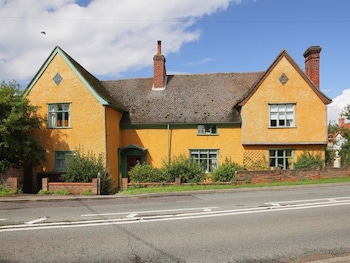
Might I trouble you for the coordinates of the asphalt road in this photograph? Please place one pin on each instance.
(292, 224)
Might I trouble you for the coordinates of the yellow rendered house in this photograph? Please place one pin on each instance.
(255, 118)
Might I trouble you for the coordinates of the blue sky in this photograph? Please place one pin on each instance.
(117, 39)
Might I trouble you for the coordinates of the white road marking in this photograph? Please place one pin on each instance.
(170, 217)
(3, 219)
(131, 215)
(40, 219)
(151, 211)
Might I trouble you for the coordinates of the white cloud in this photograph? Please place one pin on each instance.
(338, 103)
(106, 36)
(202, 61)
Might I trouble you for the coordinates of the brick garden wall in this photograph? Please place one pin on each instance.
(255, 177)
(73, 188)
(12, 178)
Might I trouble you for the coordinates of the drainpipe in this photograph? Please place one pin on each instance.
(168, 128)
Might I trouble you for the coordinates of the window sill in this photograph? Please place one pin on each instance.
(56, 128)
(282, 127)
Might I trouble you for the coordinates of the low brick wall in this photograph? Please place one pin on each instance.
(255, 177)
(269, 176)
(73, 188)
(12, 178)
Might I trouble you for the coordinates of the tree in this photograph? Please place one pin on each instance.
(345, 147)
(332, 127)
(18, 146)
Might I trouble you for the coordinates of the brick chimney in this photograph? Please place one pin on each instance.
(341, 121)
(159, 70)
(312, 64)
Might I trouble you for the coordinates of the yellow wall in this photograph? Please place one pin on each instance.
(260, 154)
(310, 111)
(228, 142)
(87, 115)
(113, 142)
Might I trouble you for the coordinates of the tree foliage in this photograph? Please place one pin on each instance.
(18, 146)
(345, 147)
(332, 127)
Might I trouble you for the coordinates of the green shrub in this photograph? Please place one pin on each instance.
(88, 192)
(226, 172)
(44, 192)
(143, 173)
(6, 191)
(83, 167)
(106, 184)
(57, 192)
(307, 160)
(186, 168)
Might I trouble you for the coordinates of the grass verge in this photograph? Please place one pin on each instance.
(136, 190)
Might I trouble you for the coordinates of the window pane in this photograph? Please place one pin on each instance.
(201, 129)
(273, 108)
(273, 116)
(282, 108)
(290, 107)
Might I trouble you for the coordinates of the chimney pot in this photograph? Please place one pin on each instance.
(159, 51)
(312, 64)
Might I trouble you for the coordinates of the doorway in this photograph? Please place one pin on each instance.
(131, 161)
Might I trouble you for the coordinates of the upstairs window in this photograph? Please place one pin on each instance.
(208, 159)
(282, 115)
(207, 129)
(59, 115)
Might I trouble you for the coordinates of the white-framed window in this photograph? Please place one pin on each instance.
(282, 115)
(59, 115)
(62, 159)
(208, 159)
(206, 129)
(282, 158)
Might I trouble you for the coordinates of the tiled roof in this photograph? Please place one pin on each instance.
(198, 98)
(94, 82)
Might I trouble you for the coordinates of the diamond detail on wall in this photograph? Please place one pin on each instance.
(57, 79)
(283, 79)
